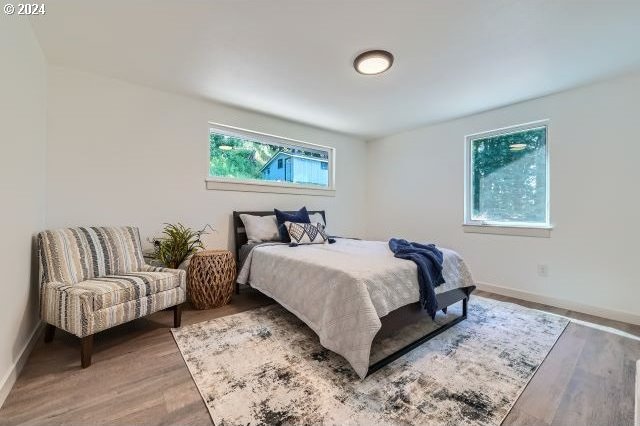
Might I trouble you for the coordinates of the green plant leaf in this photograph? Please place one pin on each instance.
(178, 243)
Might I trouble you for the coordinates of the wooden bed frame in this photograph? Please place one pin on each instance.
(395, 319)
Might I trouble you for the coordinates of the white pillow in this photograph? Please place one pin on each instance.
(317, 218)
(306, 233)
(260, 228)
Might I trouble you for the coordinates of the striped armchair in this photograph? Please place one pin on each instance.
(95, 278)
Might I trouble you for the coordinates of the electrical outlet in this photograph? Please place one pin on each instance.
(543, 270)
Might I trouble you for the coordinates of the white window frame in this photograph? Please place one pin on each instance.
(255, 185)
(497, 227)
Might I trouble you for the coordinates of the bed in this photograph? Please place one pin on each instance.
(348, 292)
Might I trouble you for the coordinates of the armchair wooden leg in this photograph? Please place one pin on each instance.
(177, 315)
(49, 332)
(86, 349)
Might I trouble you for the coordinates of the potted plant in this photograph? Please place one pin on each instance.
(178, 243)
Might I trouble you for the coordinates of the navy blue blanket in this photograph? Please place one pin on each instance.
(429, 261)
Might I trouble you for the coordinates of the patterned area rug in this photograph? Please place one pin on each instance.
(265, 366)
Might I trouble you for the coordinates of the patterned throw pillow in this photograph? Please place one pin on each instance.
(306, 233)
(301, 216)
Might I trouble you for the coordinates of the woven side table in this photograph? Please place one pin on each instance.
(210, 278)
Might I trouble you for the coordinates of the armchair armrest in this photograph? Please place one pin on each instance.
(78, 307)
(181, 273)
(151, 268)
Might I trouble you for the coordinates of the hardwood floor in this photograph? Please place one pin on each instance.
(587, 379)
(139, 377)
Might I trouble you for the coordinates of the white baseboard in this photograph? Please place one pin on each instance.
(622, 316)
(637, 423)
(10, 377)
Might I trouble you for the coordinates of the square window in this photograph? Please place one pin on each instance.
(508, 179)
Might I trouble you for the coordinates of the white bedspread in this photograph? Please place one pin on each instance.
(342, 290)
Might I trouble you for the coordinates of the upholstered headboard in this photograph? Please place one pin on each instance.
(240, 236)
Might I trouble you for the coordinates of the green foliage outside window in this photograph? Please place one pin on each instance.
(236, 157)
(509, 174)
(240, 158)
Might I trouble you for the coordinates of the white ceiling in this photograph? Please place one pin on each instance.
(293, 58)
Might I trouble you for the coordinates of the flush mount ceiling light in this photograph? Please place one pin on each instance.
(517, 146)
(373, 62)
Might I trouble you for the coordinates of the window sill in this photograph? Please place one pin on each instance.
(276, 188)
(515, 230)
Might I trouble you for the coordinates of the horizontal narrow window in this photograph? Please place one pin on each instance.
(242, 156)
(507, 177)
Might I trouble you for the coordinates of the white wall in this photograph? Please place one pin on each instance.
(22, 186)
(120, 153)
(415, 190)
(125, 154)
